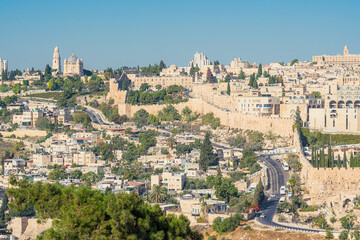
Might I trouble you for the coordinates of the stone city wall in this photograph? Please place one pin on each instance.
(326, 182)
(281, 126)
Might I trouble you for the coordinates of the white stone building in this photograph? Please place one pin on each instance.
(73, 66)
(200, 61)
(56, 65)
(3, 65)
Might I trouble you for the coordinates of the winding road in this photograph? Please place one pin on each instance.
(277, 179)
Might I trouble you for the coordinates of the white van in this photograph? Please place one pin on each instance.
(282, 199)
(282, 190)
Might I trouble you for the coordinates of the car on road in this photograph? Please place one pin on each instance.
(272, 195)
(278, 160)
(263, 215)
(282, 190)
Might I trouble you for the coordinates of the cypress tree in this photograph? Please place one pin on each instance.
(322, 158)
(207, 157)
(228, 91)
(312, 156)
(351, 160)
(259, 195)
(259, 70)
(317, 160)
(339, 162)
(329, 156)
(345, 160)
(332, 161)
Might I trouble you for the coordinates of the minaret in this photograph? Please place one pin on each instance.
(56, 61)
(346, 50)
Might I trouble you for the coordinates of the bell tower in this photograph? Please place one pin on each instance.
(346, 50)
(56, 61)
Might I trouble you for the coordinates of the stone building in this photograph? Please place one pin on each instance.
(345, 59)
(73, 66)
(3, 65)
(200, 61)
(56, 65)
(164, 81)
(340, 112)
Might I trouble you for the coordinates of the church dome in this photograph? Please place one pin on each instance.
(73, 58)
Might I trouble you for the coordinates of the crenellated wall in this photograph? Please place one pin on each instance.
(119, 96)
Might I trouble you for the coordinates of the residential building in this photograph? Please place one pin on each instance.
(83, 158)
(3, 65)
(12, 166)
(200, 61)
(163, 81)
(173, 181)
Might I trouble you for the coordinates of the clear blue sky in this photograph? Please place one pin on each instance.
(117, 33)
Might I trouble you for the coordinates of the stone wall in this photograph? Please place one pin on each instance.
(324, 183)
(119, 96)
(25, 132)
(281, 126)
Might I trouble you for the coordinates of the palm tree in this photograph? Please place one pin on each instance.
(159, 194)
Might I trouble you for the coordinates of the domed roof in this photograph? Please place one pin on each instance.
(73, 58)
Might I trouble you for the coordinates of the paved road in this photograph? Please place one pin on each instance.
(95, 117)
(277, 179)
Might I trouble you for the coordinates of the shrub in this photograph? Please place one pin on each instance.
(247, 227)
(228, 224)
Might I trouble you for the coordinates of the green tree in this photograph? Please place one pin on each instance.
(207, 157)
(89, 178)
(158, 194)
(162, 65)
(259, 195)
(293, 62)
(144, 87)
(158, 87)
(169, 113)
(348, 221)
(344, 235)
(113, 216)
(57, 174)
(253, 81)
(355, 235)
(316, 94)
(140, 118)
(43, 123)
(241, 74)
(259, 74)
(329, 235)
(298, 120)
(345, 160)
(228, 90)
(83, 118)
(16, 88)
(228, 224)
(153, 120)
(76, 174)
